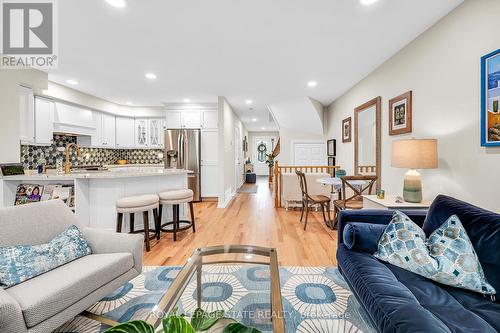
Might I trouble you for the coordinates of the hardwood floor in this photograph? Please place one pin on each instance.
(251, 219)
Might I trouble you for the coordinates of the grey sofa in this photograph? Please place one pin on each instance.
(49, 300)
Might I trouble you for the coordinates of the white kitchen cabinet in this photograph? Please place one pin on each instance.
(27, 115)
(125, 132)
(210, 119)
(108, 130)
(191, 119)
(155, 132)
(174, 119)
(44, 121)
(141, 133)
(183, 119)
(209, 163)
(163, 128)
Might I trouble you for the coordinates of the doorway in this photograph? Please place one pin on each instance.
(262, 145)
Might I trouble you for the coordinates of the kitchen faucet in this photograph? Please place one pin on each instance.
(67, 164)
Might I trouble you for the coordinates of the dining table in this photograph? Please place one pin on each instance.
(336, 184)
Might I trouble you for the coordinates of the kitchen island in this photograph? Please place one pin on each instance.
(97, 191)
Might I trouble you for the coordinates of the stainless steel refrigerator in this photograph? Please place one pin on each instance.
(183, 151)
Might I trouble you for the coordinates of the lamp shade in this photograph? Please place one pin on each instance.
(415, 154)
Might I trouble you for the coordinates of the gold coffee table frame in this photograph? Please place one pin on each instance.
(194, 265)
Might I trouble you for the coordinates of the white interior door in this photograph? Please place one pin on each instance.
(306, 154)
(259, 158)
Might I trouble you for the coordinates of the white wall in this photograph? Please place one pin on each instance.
(9, 108)
(228, 121)
(442, 67)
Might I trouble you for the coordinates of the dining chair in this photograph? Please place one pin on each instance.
(311, 199)
(354, 200)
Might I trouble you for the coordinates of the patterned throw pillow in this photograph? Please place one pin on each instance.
(447, 257)
(22, 262)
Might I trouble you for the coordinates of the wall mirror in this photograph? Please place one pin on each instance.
(367, 139)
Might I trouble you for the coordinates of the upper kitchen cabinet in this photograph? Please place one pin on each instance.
(183, 119)
(125, 132)
(27, 115)
(141, 133)
(107, 133)
(191, 119)
(44, 121)
(155, 132)
(174, 119)
(210, 119)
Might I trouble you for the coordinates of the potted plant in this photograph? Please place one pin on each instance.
(200, 321)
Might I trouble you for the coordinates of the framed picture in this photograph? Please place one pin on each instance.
(490, 99)
(331, 146)
(346, 129)
(400, 114)
(331, 162)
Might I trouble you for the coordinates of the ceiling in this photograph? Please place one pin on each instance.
(265, 51)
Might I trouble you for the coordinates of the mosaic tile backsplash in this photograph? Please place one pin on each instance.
(30, 155)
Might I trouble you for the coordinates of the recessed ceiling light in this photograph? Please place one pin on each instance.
(150, 76)
(73, 82)
(249, 101)
(116, 3)
(312, 84)
(129, 103)
(254, 119)
(368, 2)
(187, 100)
(262, 128)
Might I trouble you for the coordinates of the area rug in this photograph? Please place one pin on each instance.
(315, 299)
(248, 188)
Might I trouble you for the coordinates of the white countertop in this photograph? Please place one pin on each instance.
(125, 172)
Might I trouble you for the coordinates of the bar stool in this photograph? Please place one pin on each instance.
(137, 204)
(175, 198)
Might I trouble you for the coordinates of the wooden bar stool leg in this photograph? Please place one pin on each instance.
(157, 223)
(132, 218)
(145, 217)
(174, 225)
(160, 213)
(192, 215)
(119, 221)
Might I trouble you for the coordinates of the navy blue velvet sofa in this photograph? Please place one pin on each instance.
(400, 301)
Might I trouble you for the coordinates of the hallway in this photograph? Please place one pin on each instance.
(251, 219)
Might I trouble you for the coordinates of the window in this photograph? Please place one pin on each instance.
(261, 151)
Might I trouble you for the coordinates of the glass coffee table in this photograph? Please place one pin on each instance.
(187, 291)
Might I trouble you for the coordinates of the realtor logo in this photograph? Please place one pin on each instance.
(28, 34)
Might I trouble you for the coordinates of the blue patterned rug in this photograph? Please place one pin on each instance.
(315, 299)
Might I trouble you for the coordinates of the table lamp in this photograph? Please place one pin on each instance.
(414, 154)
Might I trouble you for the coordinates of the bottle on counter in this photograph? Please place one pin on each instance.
(42, 164)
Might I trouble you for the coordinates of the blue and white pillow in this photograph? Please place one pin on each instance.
(22, 262)
(447, 256)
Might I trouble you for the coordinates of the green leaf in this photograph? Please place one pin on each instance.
(239, 328)
(176, 324)
(202, 320)
(136, 326)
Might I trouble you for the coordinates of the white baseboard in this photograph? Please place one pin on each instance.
(228, 197)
